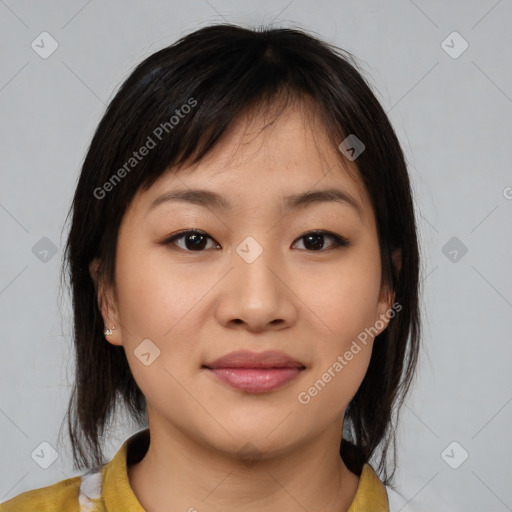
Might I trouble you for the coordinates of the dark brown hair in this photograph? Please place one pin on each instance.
(221, 72)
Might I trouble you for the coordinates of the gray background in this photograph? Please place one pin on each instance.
(453, 116)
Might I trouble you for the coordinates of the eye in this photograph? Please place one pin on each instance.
(193, 240)
(314, 240)
(197, 241)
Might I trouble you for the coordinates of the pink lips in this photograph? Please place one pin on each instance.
(255, 372)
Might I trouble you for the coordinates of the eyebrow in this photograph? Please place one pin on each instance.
(209, 199)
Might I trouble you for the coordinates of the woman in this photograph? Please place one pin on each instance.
(244, 266)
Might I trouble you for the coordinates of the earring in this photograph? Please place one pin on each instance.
(108, 332)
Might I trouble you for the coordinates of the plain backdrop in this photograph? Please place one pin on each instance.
(449, 97)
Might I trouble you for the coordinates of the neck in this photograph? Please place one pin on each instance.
(179, 474)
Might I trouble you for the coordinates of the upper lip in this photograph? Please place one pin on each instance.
(248, 359)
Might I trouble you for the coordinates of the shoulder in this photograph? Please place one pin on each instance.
(59, 497)
(370, 494)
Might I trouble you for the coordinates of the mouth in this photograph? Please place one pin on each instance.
(255, 372)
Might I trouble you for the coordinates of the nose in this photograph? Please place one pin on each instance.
(257, 295)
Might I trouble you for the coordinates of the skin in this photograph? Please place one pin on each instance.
(196, 306)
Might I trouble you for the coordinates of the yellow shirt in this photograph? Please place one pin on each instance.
(109, 489)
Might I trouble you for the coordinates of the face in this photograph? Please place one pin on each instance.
(267, 271)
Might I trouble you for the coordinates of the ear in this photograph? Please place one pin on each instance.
(396, 257)
(385, 310)
(106, 303)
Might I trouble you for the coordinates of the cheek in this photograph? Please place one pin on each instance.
(154, 296)
(347, 301)
(333, 382)
(157, 302)
(162, 301)
(347, 304)
(336, 377)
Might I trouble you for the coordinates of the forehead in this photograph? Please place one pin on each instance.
(263, 157)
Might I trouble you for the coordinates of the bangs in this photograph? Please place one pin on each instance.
(183, 102)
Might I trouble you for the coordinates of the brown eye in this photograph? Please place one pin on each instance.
(192, 240)
(197, 241)
(315, 240)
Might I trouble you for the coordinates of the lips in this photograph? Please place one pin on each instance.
(254, 372)
(247, 359)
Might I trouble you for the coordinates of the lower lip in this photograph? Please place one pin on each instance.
(256, 380)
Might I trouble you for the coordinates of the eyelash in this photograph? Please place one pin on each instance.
(338, 241)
